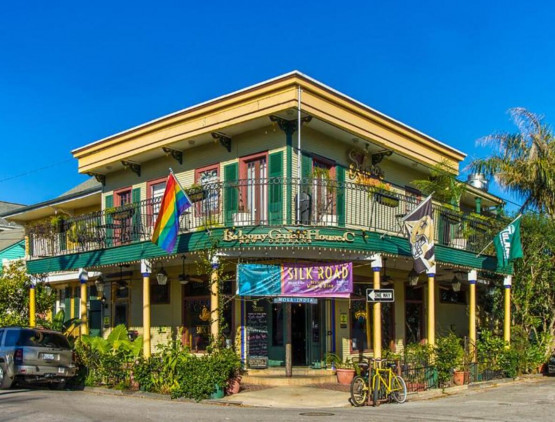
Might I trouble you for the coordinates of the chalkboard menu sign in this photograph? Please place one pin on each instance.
(257, 337)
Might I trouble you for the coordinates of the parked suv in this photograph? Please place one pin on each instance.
(34, 356)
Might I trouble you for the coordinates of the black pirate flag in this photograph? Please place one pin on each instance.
(419, 226)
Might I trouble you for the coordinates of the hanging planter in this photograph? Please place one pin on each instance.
(386, 199)
(196, 193)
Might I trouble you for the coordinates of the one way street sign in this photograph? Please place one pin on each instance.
(380, 295)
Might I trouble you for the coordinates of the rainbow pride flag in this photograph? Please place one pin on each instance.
(174, 202)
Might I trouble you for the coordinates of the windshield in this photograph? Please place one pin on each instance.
(36, 338)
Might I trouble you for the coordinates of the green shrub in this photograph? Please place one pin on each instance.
(417, 354)
(108, 361)
(449, 356)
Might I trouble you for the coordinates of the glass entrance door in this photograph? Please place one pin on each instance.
(299, 334)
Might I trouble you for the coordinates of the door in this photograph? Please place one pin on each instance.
(255, 198)
(298, 334)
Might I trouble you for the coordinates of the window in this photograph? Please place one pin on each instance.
(196, 315)
(154, 191)
(414, 321)
(414, 197)
(323, 197)
(361, 337)
(159, 294)
(208, 177)
(253, 195)
(123, 221)
(447, 295)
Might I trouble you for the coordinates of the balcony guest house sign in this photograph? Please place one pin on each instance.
(293, 280)
(285, 236)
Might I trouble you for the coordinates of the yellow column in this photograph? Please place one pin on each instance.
(472, 277)
(431, 309)
(84, 319)
(214, 300)
(377, 320)
(32, 306)
(507, 320)
(146, 271)
(83, 279)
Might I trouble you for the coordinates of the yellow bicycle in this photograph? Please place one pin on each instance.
(381, 382)
(385, 383)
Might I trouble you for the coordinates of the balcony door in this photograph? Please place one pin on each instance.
(253, 203)
(323, 198)
(123, 220)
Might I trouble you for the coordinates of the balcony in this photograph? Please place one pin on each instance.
(270, 202)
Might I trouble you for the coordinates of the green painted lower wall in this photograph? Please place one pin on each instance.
(363, 241)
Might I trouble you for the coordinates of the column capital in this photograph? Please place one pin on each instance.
(83, 275)
(215, 262)
(376, 262)
(472, 276)
(508, 281)
(146, 267)
(431, 272)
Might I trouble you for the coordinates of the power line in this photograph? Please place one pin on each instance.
(36, 170)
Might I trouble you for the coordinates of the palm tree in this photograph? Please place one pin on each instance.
(523, 163)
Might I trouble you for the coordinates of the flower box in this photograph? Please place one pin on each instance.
(386, 199)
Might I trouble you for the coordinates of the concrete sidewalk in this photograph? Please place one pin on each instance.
(317, 398)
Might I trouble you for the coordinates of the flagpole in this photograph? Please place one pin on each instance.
(491, 241)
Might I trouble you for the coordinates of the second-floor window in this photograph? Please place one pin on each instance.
(207, 177)
(323, 199)
(156, 193)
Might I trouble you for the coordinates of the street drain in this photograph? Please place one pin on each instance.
(316, 414)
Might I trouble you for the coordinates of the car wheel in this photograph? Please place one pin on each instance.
(5, 381)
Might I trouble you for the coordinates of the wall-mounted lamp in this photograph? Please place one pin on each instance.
(162, 277)
(413, 278)
(99, 283)
(456, 284)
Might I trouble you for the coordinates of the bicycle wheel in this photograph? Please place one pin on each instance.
(359, 391)
(399, 393)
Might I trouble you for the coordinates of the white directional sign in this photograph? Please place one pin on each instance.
(380, 295)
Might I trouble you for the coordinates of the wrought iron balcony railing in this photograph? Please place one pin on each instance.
(267, 202)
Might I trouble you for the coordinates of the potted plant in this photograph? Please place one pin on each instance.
(195, 192)
(121, 212)
(344, 370)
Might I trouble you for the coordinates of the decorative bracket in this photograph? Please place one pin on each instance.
(134, 167)
(175, 154)
(379, 156)
(100, 178)
(225, 140)
(289, 126)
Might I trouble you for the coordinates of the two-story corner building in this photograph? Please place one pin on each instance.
(288, 172)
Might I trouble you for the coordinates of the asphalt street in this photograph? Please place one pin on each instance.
(521, 401)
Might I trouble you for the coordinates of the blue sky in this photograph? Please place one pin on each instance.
(75, 72)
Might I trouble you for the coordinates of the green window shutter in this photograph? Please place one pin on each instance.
(109, 221)
(67, 304)
(275, 203)
(306, 166)
(340, 200)
(137, 227)
(76, 301)
(231, 192)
